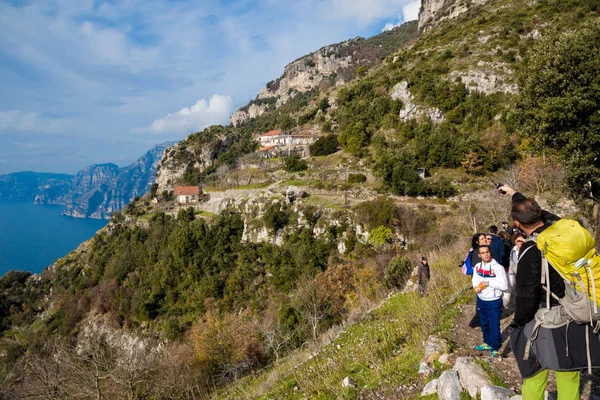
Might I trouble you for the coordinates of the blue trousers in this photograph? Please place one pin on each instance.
(489, 318)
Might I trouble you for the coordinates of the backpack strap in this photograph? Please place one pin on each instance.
(544, 280)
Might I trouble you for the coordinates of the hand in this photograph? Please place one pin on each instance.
(507, 190)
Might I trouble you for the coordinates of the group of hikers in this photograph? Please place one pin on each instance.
(548, 270)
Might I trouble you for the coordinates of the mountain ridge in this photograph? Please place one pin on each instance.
(94, 192)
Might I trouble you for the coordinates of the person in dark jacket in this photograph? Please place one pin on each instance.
(530, 218)
(495, 244)
(423, 273)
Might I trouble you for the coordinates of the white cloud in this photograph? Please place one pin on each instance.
(410, 11)
(21, 121)
(194, 118)
(363, 11)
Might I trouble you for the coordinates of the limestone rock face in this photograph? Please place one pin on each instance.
(95, 191)
(433, 11)
(301, 75)
(487, 78)
(472, 375)
(410, 110)
(253, 111)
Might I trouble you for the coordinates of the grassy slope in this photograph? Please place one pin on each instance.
(379, 352)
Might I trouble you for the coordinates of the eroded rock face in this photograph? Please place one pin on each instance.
(301, 75)
(433, 11)
(410, 110)
(487, 78)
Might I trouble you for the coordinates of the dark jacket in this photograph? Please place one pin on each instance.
(497, 248)
(423, 273)
(549, 348)
(529, 291)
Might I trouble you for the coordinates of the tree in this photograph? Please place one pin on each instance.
(324, 146)
(312, 305)
(295, 164)
(380, 236)
(559, 103)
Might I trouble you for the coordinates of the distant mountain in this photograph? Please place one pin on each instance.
(94, 192)
(27, 184)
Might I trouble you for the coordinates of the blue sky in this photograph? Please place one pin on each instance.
(95, 81)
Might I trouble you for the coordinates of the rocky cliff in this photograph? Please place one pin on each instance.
(433, 11)
(99, 190)
(329, 66)
(94, 192)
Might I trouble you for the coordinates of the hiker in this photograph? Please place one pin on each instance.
(507, 228)
(472, 257)
(495, 243)
(539, 342)
(518, 239)
(423, 274)
(508, 245)
(489, 282)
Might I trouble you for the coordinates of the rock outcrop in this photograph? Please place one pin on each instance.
(433, 11)
(411, 110)
(329, 66)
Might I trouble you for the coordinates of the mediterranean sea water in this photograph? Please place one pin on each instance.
(33, 236)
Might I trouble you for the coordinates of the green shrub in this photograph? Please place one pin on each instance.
(356, 178)
(295, 164)
(398, 272)
(324, 146)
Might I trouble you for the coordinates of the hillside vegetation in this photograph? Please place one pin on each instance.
(279, 290)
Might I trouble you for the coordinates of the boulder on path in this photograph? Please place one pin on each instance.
(490, 392)
(472, 375)
(434, 348)
(430, 388)
(448, 386)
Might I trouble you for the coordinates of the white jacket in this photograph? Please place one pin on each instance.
(494, 274)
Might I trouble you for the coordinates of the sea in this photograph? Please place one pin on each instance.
(33, 236)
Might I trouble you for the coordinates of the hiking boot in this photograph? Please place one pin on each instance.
(495, 354)
(482, 347)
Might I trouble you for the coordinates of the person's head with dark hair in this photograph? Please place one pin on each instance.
(493, 229)
(504, 235)
(527, 214)
(476, 240)
(485, 253)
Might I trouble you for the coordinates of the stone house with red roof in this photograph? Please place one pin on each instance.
(186, 194)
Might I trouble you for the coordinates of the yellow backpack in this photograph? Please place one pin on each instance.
(569, 248)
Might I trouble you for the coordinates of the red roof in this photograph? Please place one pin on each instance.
(186, 190)
(272, 133)
(266, 148)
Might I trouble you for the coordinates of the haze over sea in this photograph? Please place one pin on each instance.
(33, 236)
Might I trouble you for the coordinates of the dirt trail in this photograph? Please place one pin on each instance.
(467, 334)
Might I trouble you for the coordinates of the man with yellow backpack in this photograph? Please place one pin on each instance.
(556, 323)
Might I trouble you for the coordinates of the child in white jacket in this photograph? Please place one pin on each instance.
(489, 282)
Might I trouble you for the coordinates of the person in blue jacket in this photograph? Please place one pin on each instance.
(495, 243)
